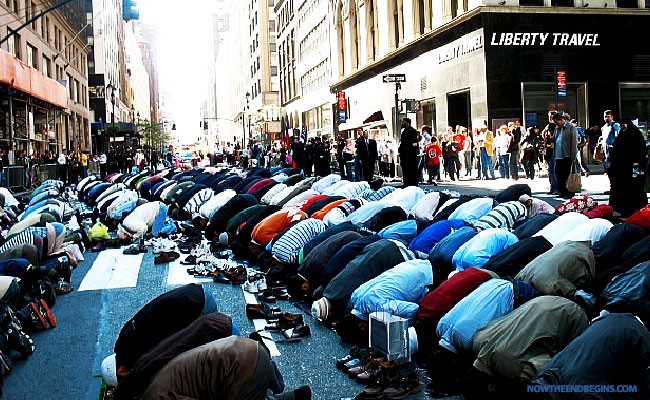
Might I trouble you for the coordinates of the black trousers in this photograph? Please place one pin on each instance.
(368, 169)
(562, 171)
(409, 170)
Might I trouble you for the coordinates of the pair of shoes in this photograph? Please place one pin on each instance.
(190, 260)
(354, 353)
(281, 293)
(164, 246)
(285, 321)
(262, 311)
(255, 283)
(200, 270)
(266, 296)
(236, 275)
(409, 385)
(298, 332)
(132, 250)
(370, 371)
(99, 246)
(166, 257)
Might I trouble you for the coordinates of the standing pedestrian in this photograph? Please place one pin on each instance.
(485, 141)
(367, 153)
(515, 149)
(626, 170)
(408, 153)
(432, 153)
(609, 131)
(62, 162)
(548, 135)
(528, 150)
(566, 151)
(103, 165)
(502, 144)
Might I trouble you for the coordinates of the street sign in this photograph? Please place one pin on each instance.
(561, 83)
(412, 105)
(392, 78)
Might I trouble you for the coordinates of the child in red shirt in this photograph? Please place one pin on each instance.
(433, 152)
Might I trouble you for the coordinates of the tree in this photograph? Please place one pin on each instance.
(152, 137)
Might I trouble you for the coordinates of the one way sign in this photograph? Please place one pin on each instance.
(390, 78)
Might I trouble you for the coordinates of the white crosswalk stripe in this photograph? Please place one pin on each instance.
(112, 270)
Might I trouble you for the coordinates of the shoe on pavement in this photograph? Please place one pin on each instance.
(131, 250)
(47, 313)
(166, 257)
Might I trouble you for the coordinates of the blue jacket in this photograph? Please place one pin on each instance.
(476, 252)
(473, 210)
(443, 252)
(491, 300)
(434, 233)
(404, 231)
(397, 291)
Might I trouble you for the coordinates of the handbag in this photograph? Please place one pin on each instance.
(573, 183)
(599, 153)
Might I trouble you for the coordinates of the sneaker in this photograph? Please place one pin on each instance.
(251, 286)
(47, 313)
(19, 341)
(164, 246)
(261, 283)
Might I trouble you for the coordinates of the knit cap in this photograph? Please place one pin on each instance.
(321, 309)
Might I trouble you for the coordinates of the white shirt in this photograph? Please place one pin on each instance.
(62, 159)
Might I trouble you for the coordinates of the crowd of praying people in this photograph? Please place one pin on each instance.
(473, 276)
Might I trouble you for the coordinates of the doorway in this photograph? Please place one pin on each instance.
(459, 110)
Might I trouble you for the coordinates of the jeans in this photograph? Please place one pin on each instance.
(210, 305)
(468, 162)
(486, 163)
(504, 166)
(348, 170)
(514, 164)
(357, 170)
(552, 178)
(454, 167)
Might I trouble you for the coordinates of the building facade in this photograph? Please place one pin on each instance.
(305, 69)
(43, 79)
(251, 34)
(471, 61)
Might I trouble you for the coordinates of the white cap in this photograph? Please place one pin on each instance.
(109, 370)
(223, 238)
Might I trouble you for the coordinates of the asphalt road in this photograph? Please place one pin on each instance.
(67, 359)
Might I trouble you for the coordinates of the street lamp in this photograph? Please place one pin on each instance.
(113, 89)
(248, 95)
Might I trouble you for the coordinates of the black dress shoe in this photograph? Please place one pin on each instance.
(190, 260)
(100, 246)
(266, 296)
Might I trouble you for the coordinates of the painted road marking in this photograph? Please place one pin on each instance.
(112, 270)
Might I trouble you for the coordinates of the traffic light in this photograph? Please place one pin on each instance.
(205, 125)
(173, 127)
(129, 11)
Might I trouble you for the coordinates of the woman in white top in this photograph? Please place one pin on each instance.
(502, 143)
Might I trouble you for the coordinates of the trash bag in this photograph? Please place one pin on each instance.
(99, 231)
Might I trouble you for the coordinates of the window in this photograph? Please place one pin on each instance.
(32, 61)
(47, 67)
(32, 9)
(628, 4)
(562, 3)
(271, 3)
(274, 71)
(272, 25)
(537, 3)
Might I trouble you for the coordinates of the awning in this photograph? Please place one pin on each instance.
(22, 77)
(351, 124)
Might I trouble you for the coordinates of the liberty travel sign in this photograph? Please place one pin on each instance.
(542, 39)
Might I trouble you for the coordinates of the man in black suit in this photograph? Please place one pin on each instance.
(368, 155)
(408, 153)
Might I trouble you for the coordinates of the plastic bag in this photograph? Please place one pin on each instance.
(98, 231)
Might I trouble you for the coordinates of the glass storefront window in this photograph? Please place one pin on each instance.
(539, 98)
(635, 103)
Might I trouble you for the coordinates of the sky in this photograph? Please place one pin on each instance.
(183, 38)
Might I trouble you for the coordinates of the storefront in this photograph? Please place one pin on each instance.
(496, 67)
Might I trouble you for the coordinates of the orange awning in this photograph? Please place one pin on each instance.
(31, 81)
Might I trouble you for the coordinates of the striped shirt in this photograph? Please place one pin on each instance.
(198, 200)
(503, 216)
(376, 195)
(287, 248)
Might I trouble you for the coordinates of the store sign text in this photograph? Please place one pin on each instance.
(453, 51)
(541, 39)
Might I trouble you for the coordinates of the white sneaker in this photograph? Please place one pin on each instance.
(164, 246)
(250, 286)
(261, 283)
(151, 242)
